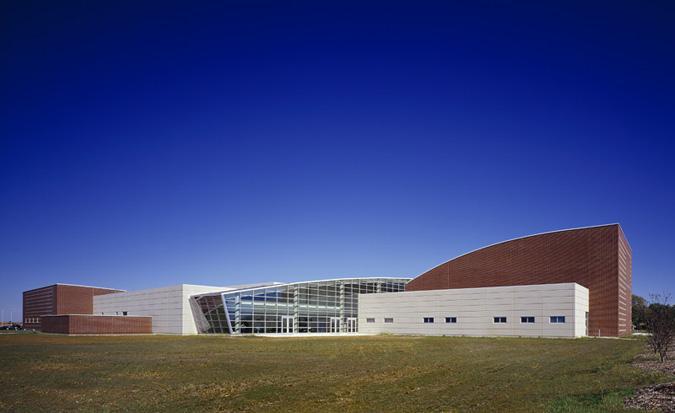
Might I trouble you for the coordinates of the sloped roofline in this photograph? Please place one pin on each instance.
(75, 285)
(519, 238)
(304, 282)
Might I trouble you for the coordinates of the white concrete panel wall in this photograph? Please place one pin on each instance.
(168, 306)
(475, 309)
(581, 310)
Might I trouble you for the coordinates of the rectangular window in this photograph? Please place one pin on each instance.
(451, 319)
(428, 319)
(124, 313)
(370, 320)
(499, 320)
(388, 320)
(557, 319)
(527, 319)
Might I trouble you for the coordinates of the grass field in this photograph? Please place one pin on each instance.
(383, 373)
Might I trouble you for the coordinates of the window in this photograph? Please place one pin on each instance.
(451, 319)
(370, 320)
(388, 320)
(557, 319)
(124, 313)
(528, 319)
(499, 320)
(428, 319)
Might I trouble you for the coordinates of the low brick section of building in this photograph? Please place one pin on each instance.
(96, 324)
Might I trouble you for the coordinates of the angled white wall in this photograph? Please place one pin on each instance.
(169, 306)
(475, 309)
(581, 307)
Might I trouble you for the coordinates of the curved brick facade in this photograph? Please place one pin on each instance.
(599, 258)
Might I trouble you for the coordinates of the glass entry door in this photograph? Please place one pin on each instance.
(335, 324)
(351, 324)
(286, 324)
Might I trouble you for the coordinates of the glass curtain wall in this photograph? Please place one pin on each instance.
(329, 306)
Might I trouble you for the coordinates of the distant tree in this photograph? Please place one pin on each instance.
(661, 325)
(639, 312)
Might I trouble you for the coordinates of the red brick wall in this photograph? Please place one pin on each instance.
(598, 258)
(625, 257)
(71, 299)
(37, 303)
(92, 324)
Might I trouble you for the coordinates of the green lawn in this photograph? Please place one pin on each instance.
(383, 373)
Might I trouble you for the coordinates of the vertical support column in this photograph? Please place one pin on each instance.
(252, 311)
(296, 303)
(227, 314)
(265, 311)
(343, 320)
(237, 314)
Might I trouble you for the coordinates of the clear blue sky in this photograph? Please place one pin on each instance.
(232, 142)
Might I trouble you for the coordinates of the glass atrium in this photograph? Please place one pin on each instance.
(328, 306)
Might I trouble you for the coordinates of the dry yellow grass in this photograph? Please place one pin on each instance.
(383, 373)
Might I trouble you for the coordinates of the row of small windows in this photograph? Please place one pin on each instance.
(32, 320)
(555, 319)
(530, 319)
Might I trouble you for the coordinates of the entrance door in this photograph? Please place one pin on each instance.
(335, 324)
(351, 325)
(286, 324)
